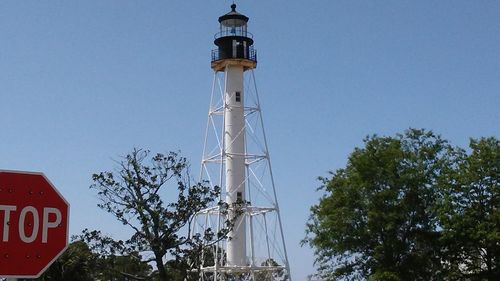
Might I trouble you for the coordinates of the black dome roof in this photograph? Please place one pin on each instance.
(233, 15)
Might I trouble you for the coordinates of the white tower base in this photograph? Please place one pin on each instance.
(235, 138)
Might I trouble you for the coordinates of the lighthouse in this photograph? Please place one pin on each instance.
(234, 56)
(236, 160)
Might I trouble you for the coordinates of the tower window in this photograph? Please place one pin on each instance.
(238, 96)
(239, 196)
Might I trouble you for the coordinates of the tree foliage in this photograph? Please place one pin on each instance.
(81, 262)
(388, 214)
(77, 263)
(272, 275)
(469, 213)
(134, 193)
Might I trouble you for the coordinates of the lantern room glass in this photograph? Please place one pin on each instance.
(233, 27)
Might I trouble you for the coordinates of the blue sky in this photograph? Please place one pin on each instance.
(83, 82)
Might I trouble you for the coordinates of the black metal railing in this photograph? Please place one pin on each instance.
(236, 32)
(217, 54)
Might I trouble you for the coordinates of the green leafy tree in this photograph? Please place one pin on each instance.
(124, 268)
(378, 219)
(135, 194)
(81, 262)
(77, 263)
(114, 262)
(271, 275)
(469, 213)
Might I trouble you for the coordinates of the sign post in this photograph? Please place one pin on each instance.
(33, 224)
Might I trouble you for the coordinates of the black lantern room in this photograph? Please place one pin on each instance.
(233, 40)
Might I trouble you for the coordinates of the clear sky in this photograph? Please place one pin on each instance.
(83, 82)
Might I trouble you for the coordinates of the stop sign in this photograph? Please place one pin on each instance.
(33, 224)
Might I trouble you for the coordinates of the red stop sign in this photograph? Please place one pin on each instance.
(33, 224)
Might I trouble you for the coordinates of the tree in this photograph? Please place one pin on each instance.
(81, 262)
(469, 214)
(135, 194)
(273, 275)
(129, 267)
(378, 219)
(113, 260)
(77, 263)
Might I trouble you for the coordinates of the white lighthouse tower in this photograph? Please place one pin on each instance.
(236, 159)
